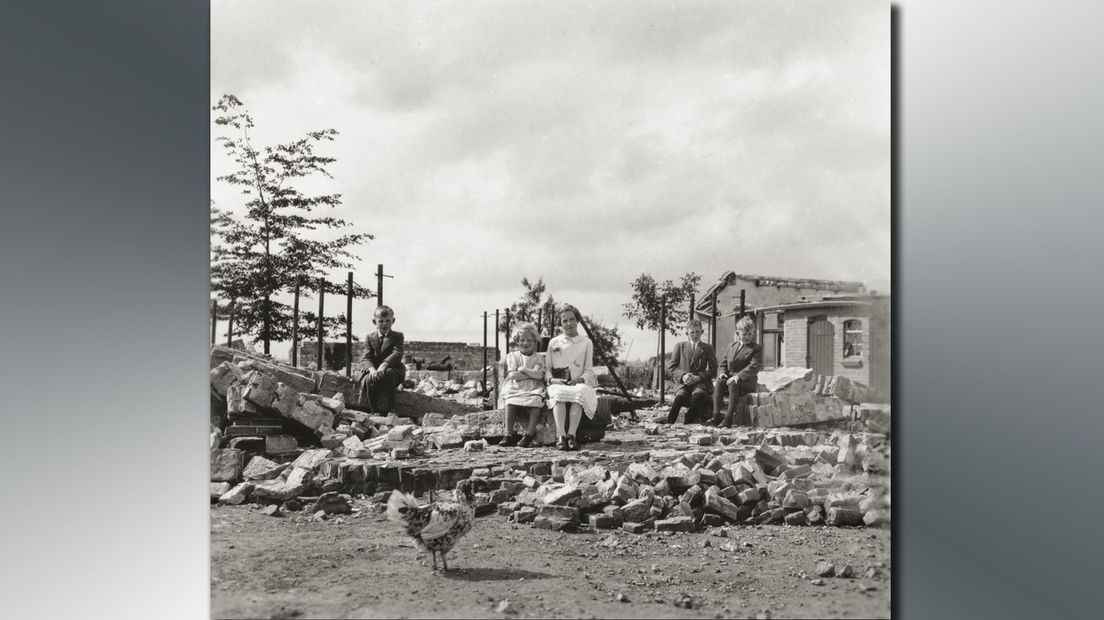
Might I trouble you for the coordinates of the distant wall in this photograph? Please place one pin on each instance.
(464, 356)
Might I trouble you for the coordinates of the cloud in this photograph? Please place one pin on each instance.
(585, 142)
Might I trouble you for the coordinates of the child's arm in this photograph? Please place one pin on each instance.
(710, 362)
(512, 371)
(751, 371)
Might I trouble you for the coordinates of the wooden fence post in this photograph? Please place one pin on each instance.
(295, 324)
(349, 328)
(321, 306)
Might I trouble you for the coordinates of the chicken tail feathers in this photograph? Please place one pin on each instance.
(399, 506)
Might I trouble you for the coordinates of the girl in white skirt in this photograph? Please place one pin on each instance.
(523, 389)
(571, 378)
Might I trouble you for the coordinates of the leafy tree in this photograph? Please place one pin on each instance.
(607, 340)
(260, 254)
(649, 296)
(526, 308)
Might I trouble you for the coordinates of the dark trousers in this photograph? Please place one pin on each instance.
(380, 391)
(696, 397)
(734, 391)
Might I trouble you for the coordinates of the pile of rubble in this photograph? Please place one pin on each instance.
(748, 477)
(795, 485)
(468, 393)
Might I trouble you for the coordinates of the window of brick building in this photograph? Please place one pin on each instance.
(852, 338)
(772, 339)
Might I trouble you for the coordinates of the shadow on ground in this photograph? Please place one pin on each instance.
(493, 574)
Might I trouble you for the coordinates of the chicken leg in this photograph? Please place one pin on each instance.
(434, 554)
(444, 561)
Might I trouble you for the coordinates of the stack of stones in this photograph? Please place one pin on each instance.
(696, 490)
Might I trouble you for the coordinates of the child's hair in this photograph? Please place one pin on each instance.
(568, 308)
(382, 311)
(746, 324)
(693, 323)
(525, 328)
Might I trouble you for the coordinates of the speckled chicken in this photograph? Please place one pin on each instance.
(438, 526)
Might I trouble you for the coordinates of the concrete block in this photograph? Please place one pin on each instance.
(643, 472)
(795, 518)
(712, 520)
(286, 399)
(525, 514)
(633, 528)
(675, 524)
(876, 517)
(560, 496)
(602, 521)
(839, 516)
(724, 478)
(260, 389)
(636, 511)
(311, 459)
(559, 512)
(625, 491)
(721, 506)
(554, 524)
(218, 489)
(237, 495)
(277, 445)
(260, 468)
(749, 496)
(226, 464)
(796, 500)
(277, 490)
(800, 471)
(706, 478)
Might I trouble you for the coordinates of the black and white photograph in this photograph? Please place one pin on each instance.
(538, 309)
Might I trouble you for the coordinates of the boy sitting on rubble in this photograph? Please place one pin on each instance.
(739, 373)
(693, 365)
(383, 356)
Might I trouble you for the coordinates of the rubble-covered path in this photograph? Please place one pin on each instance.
(360, 566)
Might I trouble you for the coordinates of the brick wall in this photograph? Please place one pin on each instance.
(766, 293)
(796, 339)
(464, 356)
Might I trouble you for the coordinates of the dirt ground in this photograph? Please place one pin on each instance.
(362, 566)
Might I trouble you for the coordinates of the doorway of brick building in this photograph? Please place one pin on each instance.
(822, 337)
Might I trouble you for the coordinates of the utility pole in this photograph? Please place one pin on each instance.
(484, 350)
(379, 284)
(295, 324)
(662, 350)
(321, 306)
(349, 327)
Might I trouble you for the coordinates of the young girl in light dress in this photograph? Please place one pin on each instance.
(523, 388)
(571, 378)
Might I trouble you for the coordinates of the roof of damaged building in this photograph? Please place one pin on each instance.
(730, 276)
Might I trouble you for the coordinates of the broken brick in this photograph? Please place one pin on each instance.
(675, 524)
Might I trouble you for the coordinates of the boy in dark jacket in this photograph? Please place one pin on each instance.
(739, 373)
(693, 366)
(383, 359)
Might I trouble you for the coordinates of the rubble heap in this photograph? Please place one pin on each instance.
(796, 485)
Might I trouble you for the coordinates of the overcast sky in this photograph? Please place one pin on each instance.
(581, 142)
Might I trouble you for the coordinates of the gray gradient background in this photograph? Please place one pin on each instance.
(103, 292)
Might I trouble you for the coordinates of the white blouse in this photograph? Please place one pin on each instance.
(576, 354)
